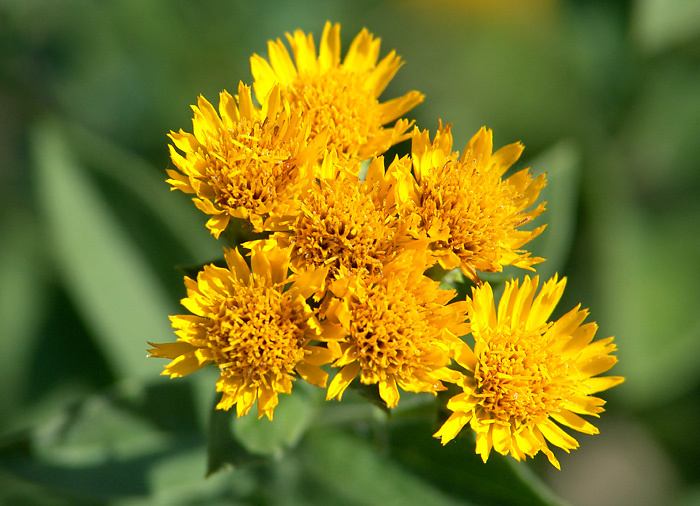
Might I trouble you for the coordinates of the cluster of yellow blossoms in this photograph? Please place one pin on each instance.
(336, 279)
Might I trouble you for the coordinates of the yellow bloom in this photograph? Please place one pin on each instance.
(342, 96)
(466, 209)
(394, 330)
(254, 330)
(526, 373)
(247, 163)
(347, 223)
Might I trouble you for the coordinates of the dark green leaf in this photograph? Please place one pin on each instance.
(458, 470)
(371, 394)
(354, 472)
(24, 296)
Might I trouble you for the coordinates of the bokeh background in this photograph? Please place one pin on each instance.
(605, 95)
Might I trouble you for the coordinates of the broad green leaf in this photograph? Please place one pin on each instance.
(115, 445)
(261, 436)
(96, 431)
(355, 472)
(658, 24)
(120, 299)
(562, 164)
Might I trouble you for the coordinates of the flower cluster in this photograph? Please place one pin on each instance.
(336, 281)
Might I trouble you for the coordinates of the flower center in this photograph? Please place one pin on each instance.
(339, 102)
(391, 332)
(474, 204)
(340, 225)
(249, 166)
(517, 379)
(258, 334)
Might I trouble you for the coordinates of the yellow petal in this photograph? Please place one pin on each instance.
(557, 436)
(480, 146)
(281, 61)
(267, 400)
(502, 159)
(389, 392)
(329, 53)
(342, 380)
(304, 52)
(501, 437)
(318, 355)
(574, 421)
(170, 350)
(599, 384)
(237, 264)
(183, 365)
(312, 374)
(452, 426)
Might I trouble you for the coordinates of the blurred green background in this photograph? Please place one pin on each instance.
(605, 95)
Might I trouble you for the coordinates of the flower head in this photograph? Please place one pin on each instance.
(466, 209)
(254, 330)
(395, 330)
(526, 373)
(342, 95)
(244, 162)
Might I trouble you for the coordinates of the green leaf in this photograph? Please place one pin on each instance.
(458, 470)
(175, 211)
(261, 436)
(354, 472)
(658, 24)
(371, 394)
(106, 275)
(96, 431)
(112, 445)
(23, 293)
(653, 316)
(562, 164)
(224, 451)
(20, 492)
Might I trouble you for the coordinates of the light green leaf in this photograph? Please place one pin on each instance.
(658, 24)
(94, 432)
(264, 437)
(175, 211)
(106, 275)
(224, 451)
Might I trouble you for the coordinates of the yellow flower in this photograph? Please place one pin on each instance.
(247, 163)
(254, 330)
(394, 330)
(466, 209)
(344, 222)
(526, 373)
(342, 96)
